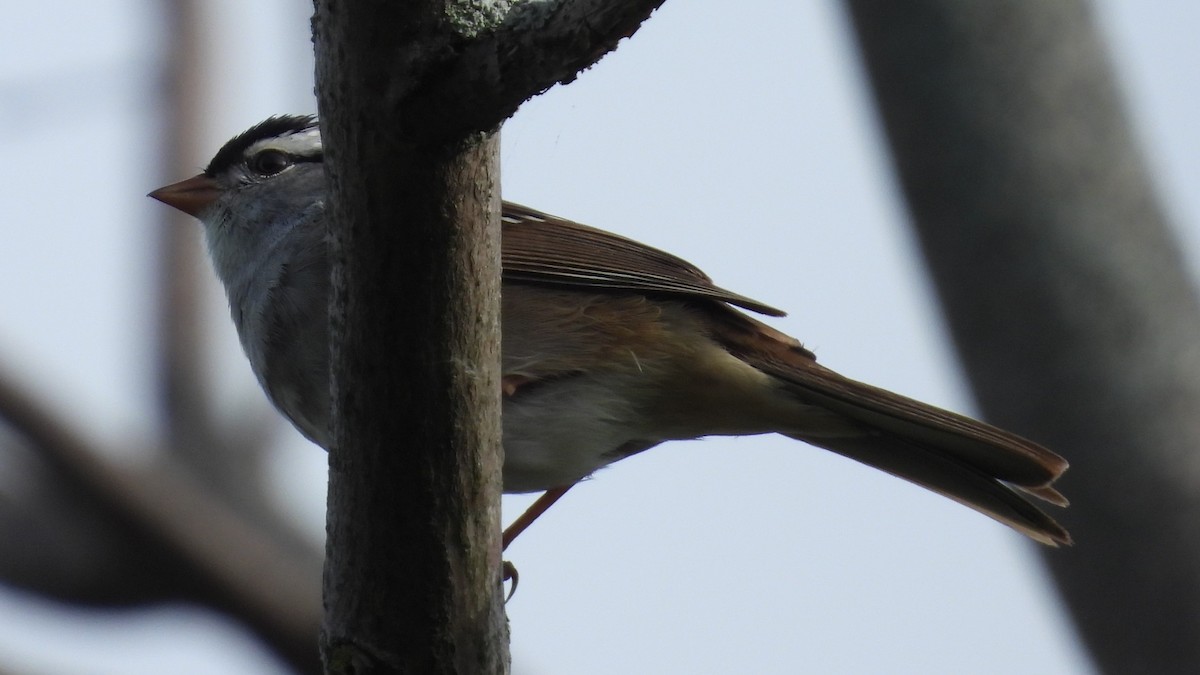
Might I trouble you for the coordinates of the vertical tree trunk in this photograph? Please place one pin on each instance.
(412, 580)
(410, 95)
(1066, 295)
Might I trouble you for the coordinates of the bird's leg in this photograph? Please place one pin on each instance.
(509, 384)
(518, 526)
(509, 571)
(531, 514)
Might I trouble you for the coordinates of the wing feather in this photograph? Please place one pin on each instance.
(538, 247)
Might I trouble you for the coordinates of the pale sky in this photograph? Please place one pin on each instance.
(743, 142)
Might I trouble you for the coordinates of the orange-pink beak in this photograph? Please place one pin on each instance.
(191, 196)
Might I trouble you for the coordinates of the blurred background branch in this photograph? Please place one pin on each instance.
(95, 533)
(1065, 289)
(194, 521)
(139, 465)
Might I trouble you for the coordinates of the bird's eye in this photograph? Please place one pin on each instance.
(269, 162)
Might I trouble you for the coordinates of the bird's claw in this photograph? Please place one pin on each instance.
(509, 572)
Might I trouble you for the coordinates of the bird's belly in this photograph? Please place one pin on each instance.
(562, 431)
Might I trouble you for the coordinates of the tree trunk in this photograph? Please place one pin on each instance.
(410, 96)
(1067, 297)
(412, 581)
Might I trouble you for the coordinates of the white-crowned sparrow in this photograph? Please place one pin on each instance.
(610, 347)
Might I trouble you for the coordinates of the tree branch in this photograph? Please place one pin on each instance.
(495, 55)
(146, 535)
(539, 44)
(412, 580)
(1066, 294)
(410, 95)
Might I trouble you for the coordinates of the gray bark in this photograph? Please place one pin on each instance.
(411, 95)
(1066, 294)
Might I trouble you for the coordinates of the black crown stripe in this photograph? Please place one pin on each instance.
(280, 125)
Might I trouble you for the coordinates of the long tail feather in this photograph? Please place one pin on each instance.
(947, 476)
(979, 465)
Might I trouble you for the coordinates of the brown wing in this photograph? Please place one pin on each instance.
(971, 462)
(542, 248)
